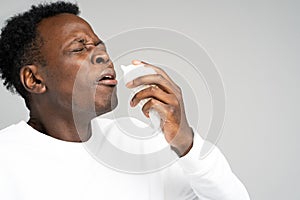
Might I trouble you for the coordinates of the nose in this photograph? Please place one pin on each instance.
(100, 57)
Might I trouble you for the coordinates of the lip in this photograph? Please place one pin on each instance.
(108, 82)
(111, 82)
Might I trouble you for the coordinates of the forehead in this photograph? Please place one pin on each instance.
(64, 27)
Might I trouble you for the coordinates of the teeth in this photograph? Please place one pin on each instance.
(107, 77)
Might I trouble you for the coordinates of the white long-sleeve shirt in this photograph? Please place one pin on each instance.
(34, 166)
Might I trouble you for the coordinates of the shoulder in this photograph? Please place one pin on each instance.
(15, 139)
(11, 131)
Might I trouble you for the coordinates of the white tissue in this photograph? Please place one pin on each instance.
(131, 72)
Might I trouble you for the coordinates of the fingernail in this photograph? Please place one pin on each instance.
(136, 62)
(131, 103)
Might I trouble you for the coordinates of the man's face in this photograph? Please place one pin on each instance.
(76, 60)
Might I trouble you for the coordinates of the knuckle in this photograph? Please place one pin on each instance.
(152, 101)
(136, 81)
(172, 110)
(179, 99)
(153, 89)
(176, 102)
(178, 89)
(160, 77)
(178, 95)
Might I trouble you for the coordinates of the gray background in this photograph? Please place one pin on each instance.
(255, 45)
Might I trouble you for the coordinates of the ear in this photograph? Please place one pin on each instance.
(32, 81)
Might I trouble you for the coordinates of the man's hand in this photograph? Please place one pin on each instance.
(166, 98)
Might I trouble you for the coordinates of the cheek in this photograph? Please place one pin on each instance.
(61, 82)
(63, 74)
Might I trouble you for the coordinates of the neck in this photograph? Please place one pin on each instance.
(61, 125)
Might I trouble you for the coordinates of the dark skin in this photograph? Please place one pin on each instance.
(69, 83)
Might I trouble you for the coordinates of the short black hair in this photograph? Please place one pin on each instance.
(20, 42)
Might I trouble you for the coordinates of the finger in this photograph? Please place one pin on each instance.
(160, 107)
(136, 62)
(157, 69)
(152, 79)
(153, 92)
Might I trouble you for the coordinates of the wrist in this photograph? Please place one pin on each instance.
(183, 144)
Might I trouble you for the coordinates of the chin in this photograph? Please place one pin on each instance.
(109, 106)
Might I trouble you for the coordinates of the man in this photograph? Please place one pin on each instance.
(44, 53)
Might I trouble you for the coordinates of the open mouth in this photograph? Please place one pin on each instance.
(107, 79)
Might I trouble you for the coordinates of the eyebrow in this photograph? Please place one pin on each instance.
(80, 40)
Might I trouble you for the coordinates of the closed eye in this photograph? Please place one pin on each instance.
(99, 42)
(78, 50)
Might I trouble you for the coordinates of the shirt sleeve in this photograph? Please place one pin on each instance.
(211, 176)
